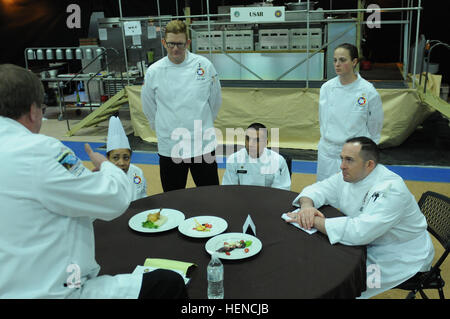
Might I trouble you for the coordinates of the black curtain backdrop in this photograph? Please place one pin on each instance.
(41, 23)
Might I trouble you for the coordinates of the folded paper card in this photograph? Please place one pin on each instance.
(249, 222)
(309, 231)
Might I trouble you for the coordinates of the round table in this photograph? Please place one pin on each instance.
(291, 263)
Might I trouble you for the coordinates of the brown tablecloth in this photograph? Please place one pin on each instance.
(291, 264)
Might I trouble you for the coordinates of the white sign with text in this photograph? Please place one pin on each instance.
(257, 14)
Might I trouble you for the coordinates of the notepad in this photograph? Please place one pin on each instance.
(152, 264)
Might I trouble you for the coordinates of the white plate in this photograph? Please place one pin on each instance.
(217, 242)
(219, 225)
(174, 218)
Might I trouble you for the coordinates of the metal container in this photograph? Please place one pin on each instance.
(273, 39)
(301, 5)
(203, 40)
(45, 75)
(40, 54)
(30, 54)
(69, 55)
(88, 54)
(59, 54)
(49, 54)
(99, 52)
(295, 16)
(239, 40)
(53, 73)
(78, 54)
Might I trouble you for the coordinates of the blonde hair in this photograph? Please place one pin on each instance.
(177, 27)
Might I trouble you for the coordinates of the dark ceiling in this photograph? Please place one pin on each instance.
(40, 23)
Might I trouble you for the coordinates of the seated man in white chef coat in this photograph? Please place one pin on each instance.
(380, 213)
(255, 164)
(118, 151)
(49, 201)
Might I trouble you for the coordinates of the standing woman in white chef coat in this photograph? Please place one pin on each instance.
(349, 106)
(118, 151)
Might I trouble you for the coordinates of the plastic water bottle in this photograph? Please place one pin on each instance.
(215, 278)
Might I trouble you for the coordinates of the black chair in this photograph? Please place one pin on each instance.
(436, 208)
(288, 162)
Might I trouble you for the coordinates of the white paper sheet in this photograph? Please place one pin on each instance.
(132, 28)
(309, 231)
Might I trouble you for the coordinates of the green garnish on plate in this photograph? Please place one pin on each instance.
(149, 224)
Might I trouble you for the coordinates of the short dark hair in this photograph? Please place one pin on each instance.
(257, 127)
(19, 89)
(353, 50)
(369, 149)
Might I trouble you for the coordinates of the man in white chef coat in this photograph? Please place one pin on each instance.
(256, 164)
(48, 202)
(181, 97)
(380, 213)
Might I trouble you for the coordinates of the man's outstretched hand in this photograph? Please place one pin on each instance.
(96, 158)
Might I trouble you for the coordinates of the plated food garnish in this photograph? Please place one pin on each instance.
(201, 227)
(154, 220)
(241, 244)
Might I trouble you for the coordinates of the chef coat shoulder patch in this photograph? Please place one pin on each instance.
(376, 195)
(70, 162)
(137, 179)
(362, 100)
(200, 72)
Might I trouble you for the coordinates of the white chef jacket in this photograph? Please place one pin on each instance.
(382, 214)
(48, 201)
(181, 102)
(270, 170)
(345, 111)
(138, 182)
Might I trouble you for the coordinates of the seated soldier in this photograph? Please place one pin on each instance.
(255, 164)
(380, 212)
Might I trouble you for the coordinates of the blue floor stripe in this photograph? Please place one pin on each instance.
(145, 158)
(420, 173)
(412, 173)
(78, 149)
(304, 167)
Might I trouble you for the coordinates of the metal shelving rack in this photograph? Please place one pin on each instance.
(210, 23)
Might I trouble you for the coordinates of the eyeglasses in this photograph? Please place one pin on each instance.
(179, 45)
